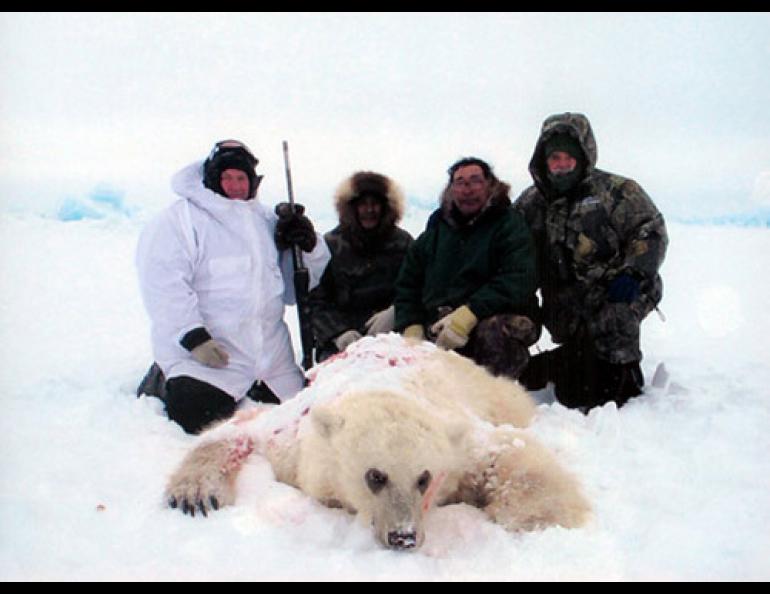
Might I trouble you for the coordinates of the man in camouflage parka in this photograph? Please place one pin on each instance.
(600, 242)
(355, 295)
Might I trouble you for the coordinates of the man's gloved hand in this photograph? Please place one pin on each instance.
(453, 330)
(382, 322)
(623, 289)
(345, 339)
(414, 331)
(293, 228)
(211, 354)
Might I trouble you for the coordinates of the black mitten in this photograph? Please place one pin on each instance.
(293, 228)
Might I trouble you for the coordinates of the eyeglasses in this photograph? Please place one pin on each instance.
(475, 181)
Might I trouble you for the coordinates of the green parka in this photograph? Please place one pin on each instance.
(487, 263)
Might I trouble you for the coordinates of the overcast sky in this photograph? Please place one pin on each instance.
(678, 101)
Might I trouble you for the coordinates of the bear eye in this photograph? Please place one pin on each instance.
(376, 480)
(423, 481)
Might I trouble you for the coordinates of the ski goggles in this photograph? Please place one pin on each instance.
(225, 146)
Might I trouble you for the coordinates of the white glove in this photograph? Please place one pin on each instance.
(382, 322)
(211, 354)
(345, 339)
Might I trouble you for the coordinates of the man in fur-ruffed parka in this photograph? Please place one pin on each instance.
(355, 295)
(600, 242)
(468, 282)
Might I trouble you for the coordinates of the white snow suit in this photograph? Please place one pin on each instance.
(208, 261)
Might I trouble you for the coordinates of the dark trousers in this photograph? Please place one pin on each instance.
(581, 379)
(193, 403)
(324, 352)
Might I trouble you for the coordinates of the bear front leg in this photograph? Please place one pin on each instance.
(206, 478)
(525, 488)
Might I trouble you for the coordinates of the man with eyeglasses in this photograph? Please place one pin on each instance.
(215, 274)
(600, 242)
(468, 281)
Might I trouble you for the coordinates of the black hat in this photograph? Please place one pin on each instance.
(230, 154)
(563, 142)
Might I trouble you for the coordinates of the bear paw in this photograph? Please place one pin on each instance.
(527, 489)
(206, 479)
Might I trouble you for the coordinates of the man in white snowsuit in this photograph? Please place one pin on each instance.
(215, 274)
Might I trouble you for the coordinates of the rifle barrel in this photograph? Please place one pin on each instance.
(287, 167)
(301, 281)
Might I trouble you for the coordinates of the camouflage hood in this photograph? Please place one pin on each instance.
(574, 124)
(364, 183)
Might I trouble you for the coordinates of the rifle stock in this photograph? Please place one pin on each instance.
(301, 280)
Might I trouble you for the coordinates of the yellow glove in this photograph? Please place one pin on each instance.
(414, 331)
(454, 329)
(211, 354)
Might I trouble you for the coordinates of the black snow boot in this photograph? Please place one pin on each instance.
(153, 383)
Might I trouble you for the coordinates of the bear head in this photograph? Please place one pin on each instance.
(389, 458)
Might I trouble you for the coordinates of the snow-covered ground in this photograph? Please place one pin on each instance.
(679, 478)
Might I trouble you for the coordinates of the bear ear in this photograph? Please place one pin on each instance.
(326, 421)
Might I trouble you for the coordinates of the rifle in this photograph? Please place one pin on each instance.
(301, 281)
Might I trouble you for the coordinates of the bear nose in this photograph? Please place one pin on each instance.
(402, 540)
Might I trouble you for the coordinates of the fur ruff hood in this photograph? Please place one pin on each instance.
(369, 182)
(499, 200)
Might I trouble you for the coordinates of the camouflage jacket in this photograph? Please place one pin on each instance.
(360, 278)
(604, 227)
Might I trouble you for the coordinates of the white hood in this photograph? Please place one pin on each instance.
(210, 261)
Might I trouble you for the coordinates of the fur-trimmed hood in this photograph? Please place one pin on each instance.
(499, 201)
(360, 184)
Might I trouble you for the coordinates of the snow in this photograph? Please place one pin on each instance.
(679, 478)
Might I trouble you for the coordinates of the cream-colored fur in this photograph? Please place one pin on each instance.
(449, 380)
(523, 487)
(203, 478)
(440, 431)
